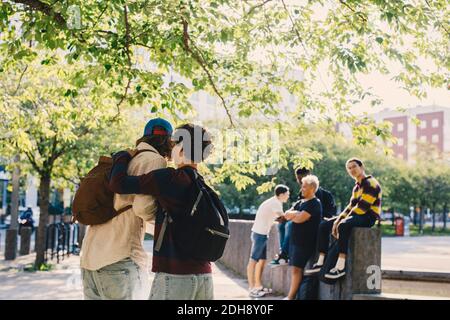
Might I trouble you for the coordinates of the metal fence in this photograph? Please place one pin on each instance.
(62, 240)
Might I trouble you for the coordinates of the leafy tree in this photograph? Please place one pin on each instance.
(58, 131)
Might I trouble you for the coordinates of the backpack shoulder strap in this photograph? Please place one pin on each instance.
(143, 150)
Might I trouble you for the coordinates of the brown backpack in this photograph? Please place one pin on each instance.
(94, 201)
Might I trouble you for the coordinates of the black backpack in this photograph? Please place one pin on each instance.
(202, 232)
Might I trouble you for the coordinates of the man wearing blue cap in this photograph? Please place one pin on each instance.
(113, 260)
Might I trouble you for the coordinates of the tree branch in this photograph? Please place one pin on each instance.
(46, 9)
(32, 161)
(202, 63)
(253, 8)
(360, 14)
(127, 52)
(20, 80)
(440, 23)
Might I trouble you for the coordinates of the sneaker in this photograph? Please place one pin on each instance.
(335, 273)
(281, 259)
(265, 290)
(315, 269)
(256, 293)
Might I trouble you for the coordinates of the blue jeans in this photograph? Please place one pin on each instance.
(122, 280)
(182, 287)
(345, 230)
(284, 232)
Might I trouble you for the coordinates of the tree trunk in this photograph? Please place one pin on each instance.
(434, 218)
(11, 239)
(445, 217)
(44, 190)
(421, 220)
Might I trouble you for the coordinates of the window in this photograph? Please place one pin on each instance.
(435, 138)
(435, 123)
(400, 141)
(423, 138)
(400, 127)
(423, 124)
(400, 155)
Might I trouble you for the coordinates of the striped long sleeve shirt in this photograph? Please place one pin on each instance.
(366, 198)
(175, 192)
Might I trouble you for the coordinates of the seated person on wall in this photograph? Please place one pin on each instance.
(362, 211)
(267, 212)
(284, 227)
(305, 217)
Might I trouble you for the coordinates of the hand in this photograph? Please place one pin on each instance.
(288, 215)
(132, 152)
(335, 230)
(281, 219)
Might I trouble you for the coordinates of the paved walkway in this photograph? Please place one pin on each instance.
(416, 253)
(63, 282)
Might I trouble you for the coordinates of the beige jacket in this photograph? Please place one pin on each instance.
(123, 236)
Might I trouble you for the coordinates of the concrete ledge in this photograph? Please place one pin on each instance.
(393, 296)
(363, 267)
(416, 275)
(364, 251)
(237, 254)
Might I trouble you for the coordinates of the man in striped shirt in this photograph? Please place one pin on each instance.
(362, 211)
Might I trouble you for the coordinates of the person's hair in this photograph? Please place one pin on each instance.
(197, 145)
(358, 162)
(301, 171)
(280, 189)
(162, 144)
(311, 180)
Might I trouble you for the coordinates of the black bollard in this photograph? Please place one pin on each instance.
(10, 244)
(25, 241)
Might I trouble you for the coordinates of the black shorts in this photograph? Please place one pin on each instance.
(299, 256)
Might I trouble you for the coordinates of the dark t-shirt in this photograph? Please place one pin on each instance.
(305, 234)
(327, 200)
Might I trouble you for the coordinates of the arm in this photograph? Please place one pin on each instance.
(144, 206)
(348, 208)
(120, 182)
(298, 216)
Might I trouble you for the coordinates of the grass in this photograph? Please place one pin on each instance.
(388, 230)
(44, 267)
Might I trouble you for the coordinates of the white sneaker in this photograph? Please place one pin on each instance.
(255, 293)
(315, 269)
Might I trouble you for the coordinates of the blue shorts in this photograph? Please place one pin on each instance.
(259, 247)
(299, 256)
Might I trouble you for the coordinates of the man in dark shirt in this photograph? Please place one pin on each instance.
(305, 218)
(284, 227)
(175, 191)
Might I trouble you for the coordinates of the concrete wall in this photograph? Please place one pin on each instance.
(237, 254)
(364, 251)
(363, 267)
